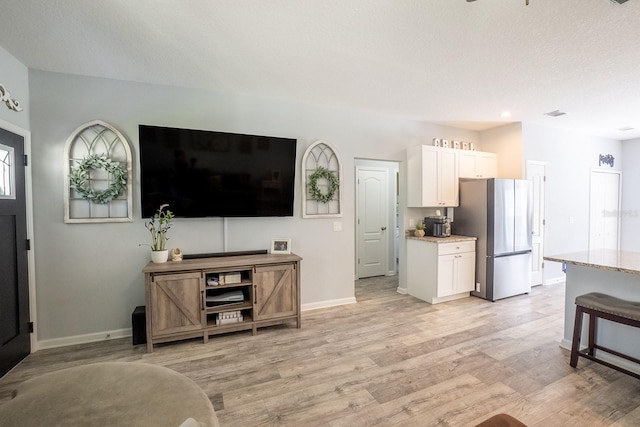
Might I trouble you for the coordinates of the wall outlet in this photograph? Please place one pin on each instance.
(477, 286)
(412, 222)
(337, 226)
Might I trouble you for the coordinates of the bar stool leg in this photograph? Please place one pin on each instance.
(577, 330)
(592, 333)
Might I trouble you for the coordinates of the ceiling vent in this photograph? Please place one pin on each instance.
(555, 113)
(618, 1)
(625, 128)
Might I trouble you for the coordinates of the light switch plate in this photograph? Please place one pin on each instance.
(337, 226)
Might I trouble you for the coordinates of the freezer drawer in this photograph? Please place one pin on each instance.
(508, 276)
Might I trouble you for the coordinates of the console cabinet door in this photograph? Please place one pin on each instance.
(175, 303)
(275, 292)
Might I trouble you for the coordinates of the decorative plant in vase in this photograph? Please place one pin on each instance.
(158, 225)
(419, 230)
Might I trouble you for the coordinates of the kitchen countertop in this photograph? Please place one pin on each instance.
(604, 259)
(451, 239)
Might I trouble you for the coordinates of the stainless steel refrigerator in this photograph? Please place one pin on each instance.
(498, 212)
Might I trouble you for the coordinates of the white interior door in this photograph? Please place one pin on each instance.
(604, 210)
(372, 221)
(536, 174)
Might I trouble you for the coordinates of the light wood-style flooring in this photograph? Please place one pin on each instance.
(388, 360)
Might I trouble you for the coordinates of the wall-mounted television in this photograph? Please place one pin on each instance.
(202, 173)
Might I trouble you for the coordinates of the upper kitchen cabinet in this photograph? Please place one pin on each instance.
(477, 164)
(432, 174)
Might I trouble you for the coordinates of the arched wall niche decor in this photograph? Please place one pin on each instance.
(322, 168)
(97, 161)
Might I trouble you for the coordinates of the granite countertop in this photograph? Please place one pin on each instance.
(605, 259)
(451, 239)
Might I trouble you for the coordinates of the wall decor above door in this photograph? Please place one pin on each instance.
(5, 97)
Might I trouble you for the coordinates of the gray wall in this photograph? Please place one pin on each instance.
(570, 157)
(630, 196)
(89, 275)
(15, 79)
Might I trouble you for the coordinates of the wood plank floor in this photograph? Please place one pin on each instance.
(388, 360)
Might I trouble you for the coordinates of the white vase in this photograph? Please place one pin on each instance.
(159, 256)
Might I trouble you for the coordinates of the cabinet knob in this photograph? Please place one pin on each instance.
(383, 228)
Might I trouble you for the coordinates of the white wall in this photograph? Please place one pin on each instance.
(570, 157)
(507, 142)
(630, 196)
(89, 276)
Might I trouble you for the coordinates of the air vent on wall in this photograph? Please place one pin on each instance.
(555, 113)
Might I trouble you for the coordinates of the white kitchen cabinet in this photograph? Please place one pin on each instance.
(477, 164)
(439, 270)
(432, 174)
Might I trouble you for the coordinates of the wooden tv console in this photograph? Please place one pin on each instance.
(183, 300)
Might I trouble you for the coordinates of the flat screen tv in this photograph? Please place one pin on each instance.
(203, 173)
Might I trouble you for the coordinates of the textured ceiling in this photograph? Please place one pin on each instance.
(434, 60)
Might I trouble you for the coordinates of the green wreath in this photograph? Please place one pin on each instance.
(332, 185)
(79, 178)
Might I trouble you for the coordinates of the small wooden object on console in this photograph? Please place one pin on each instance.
(181, 304)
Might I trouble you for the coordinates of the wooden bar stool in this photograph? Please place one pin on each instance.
(606, 307)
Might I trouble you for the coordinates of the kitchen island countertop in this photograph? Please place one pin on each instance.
(612, 272)
(603, 259)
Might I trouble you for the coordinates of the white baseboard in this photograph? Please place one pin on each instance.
(555, 281)
(83, 339)
(124, 333)
(614, 360)
(402, 291)
(326, 304)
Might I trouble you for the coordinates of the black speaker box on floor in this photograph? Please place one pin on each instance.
(139, 325)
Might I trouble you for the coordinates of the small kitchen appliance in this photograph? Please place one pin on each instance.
(437, 226)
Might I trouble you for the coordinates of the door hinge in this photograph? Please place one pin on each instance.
(544, 222)
(26, 160)
(30, 326)
(542, 266)
(358, 260)
(28, 244)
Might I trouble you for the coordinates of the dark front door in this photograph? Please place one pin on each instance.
(14, 283)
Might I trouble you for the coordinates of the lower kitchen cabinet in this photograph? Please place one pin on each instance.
(208, 296)
(440, 270)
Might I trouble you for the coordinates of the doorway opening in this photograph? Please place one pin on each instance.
(377, 223)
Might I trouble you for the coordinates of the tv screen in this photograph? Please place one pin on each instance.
(216, 174)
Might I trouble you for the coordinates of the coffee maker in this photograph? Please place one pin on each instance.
(437, 226)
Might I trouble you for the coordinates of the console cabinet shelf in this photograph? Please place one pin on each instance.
(208, 296)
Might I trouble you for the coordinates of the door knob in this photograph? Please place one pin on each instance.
(383, 228)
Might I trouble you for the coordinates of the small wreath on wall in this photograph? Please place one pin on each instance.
(332, 185)
(79, 178)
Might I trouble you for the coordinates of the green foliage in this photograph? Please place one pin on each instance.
(79, 178)
(158, 226)
(332, 185)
